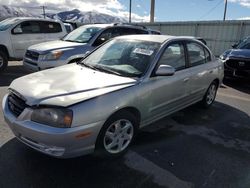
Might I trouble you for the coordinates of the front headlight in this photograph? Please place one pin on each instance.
(56, 117)
(54, 55)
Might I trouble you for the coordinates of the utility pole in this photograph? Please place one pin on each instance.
(152, 11)
(43, 7)
(225, 11)
(130, 7)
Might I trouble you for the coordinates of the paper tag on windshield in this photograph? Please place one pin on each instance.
(143, 51)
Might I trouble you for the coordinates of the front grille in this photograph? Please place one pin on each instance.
(32, 55)
(16, 104)
(238, 64)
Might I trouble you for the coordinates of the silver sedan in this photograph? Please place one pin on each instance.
(99, 104)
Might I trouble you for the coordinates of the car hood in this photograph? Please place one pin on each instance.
(54, 45)
(67, 85)
(239, 53)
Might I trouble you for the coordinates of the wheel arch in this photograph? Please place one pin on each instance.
(5, 50)
(134, 111)
(217, 81)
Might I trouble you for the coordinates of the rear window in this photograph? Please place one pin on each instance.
(51, 27)
(196, 54)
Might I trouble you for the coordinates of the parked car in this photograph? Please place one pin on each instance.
(237, 60)
(99, 103)
(154, 32)
(17, 34)
(75, 45)
(70, 26)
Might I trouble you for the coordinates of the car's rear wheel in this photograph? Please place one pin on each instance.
(210, 95)
(116, 135)
(3, 61)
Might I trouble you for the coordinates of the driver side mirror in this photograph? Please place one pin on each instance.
(165, 70)
(99, 41)
(234, 45)
(17, 30)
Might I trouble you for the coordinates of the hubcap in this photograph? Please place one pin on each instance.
(1, 61)
(118, 136)
(211, 94)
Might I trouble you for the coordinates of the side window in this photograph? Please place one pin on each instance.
(29, 27)
(104, 36)
(140, 31)
(131, 31)
(247, 46)
(196, 54)
(51, 27)
(174, 56)
(207, 55)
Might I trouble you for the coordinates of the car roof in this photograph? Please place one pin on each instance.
(150, 38)
(116, 25)
(31, 18)
(155, 38)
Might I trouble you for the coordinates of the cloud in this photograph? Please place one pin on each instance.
(244, 18)
(245, 3)
(111, 7)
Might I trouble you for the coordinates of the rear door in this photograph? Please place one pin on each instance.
(24, 35)
(201, 69)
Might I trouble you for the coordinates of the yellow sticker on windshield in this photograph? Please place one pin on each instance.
(143, 51)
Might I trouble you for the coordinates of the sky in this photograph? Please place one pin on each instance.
(165, 10)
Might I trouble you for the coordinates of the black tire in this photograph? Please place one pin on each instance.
(209, 97)
(100, 150)
(3, 61)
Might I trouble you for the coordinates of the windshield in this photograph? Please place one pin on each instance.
(7, 23)
(129, 58)
(244, 44)
(82, 34)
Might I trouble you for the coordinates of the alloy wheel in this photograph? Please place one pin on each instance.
(211, 94)
(118, 136)
(1, 61)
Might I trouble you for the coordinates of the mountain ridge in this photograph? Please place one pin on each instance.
(73, 15)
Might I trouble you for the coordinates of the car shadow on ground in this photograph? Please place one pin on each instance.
(240, 85)
(11, 73)
(23, 167)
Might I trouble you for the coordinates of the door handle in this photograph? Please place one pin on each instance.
(185, 79)
(211, 71)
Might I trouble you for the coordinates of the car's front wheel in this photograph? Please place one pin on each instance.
(117, 134)
(3, 61)
(210, 95)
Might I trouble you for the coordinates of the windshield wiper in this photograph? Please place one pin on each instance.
(69, 40)
(107, 70)
(87, 65)
(75, 41)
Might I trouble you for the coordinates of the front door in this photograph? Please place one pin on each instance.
(24, 35)
(168, 93)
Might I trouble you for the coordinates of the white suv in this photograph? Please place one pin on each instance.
(17, 34)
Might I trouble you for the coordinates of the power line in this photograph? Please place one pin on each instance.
(212, 9)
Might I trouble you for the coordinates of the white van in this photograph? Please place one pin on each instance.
(17, 34)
